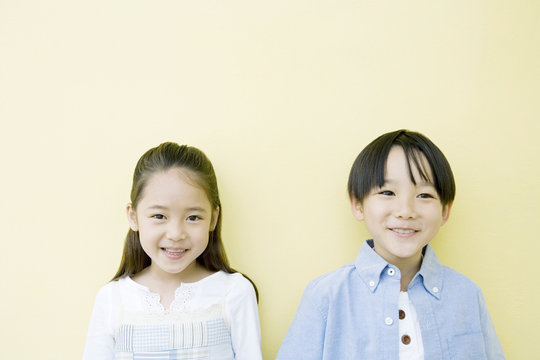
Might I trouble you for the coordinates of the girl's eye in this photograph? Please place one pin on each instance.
(386, 193)
(158, 216)
(193, 217)
(426, 196)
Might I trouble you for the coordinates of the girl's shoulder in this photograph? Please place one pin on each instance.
(228, 286)
(225, 282)
(124, 287)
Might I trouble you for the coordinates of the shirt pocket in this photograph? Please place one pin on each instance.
(467, 347)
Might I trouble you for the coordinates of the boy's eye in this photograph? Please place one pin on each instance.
(158, 216)
(386, 192)
(426, 196)
(193, 217)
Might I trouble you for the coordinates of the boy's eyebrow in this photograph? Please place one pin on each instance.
(425, 183)
(389, 182)
(418, 183)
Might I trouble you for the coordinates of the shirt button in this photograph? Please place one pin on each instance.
(435, 289)
(406, 339)
(391, 272)
(372, 283)
(401, 314)
(388, 321)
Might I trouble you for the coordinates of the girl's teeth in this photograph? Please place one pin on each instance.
(174, 251)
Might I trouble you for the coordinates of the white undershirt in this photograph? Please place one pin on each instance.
(409, 327)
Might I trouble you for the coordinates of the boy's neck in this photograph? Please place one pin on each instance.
(408, 269)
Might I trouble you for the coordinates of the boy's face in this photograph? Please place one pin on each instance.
(400, 216)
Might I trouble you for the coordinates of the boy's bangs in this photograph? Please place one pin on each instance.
(420, 163)
(414, 158)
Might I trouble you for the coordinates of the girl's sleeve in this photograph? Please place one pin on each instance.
(100, 338)
(243, 315)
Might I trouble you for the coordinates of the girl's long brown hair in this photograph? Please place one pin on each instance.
(162, 158)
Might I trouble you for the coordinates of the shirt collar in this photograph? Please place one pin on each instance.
(431, 272)
(370, 268)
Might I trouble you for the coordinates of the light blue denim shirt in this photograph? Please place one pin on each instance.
(352, 313)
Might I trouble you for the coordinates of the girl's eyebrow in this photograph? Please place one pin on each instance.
(157, 207)
(196, 208)
(192, 208)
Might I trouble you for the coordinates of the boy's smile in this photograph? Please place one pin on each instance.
(402, 217)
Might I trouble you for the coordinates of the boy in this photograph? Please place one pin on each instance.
(396, 301)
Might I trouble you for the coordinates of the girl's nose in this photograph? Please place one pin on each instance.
(176, 232)
(405, 208)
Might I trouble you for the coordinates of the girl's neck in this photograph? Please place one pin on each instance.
(160, 281)
(165, 284)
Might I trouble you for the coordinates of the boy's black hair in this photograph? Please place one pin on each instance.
(369, 167)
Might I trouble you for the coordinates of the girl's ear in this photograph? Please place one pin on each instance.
(446, 212)
(132, 217)
(357, 210)
(215, 216)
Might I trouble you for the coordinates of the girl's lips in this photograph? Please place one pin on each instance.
(174, 253)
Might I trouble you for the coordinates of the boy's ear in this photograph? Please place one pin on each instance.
(357, 210)
(215, 216)
(132, 217)
(446, 212)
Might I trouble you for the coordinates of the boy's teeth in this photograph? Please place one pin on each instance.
(403, 231)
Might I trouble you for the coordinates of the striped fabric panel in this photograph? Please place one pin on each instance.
(190, 354)
(186, 340)
(184, 354)
(123, 356)
(156, 355)
(124, 339)
(188, 335)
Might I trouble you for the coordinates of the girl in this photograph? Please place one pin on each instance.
(174, 295)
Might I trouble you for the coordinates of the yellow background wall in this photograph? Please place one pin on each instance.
(281, 95)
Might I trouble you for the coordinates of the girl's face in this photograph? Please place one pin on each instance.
(174, 218)
(402, 217)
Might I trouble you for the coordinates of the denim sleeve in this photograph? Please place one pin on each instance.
(492, 345)
(305, 338)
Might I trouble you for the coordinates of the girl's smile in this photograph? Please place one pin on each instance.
(174, 254)
(174, 218)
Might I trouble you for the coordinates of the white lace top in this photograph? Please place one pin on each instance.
(125, 296)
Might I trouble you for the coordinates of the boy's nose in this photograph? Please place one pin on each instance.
(405, 209)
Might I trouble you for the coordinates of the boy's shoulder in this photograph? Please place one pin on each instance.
(331, 282)
(445, 279)
(456, 281)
